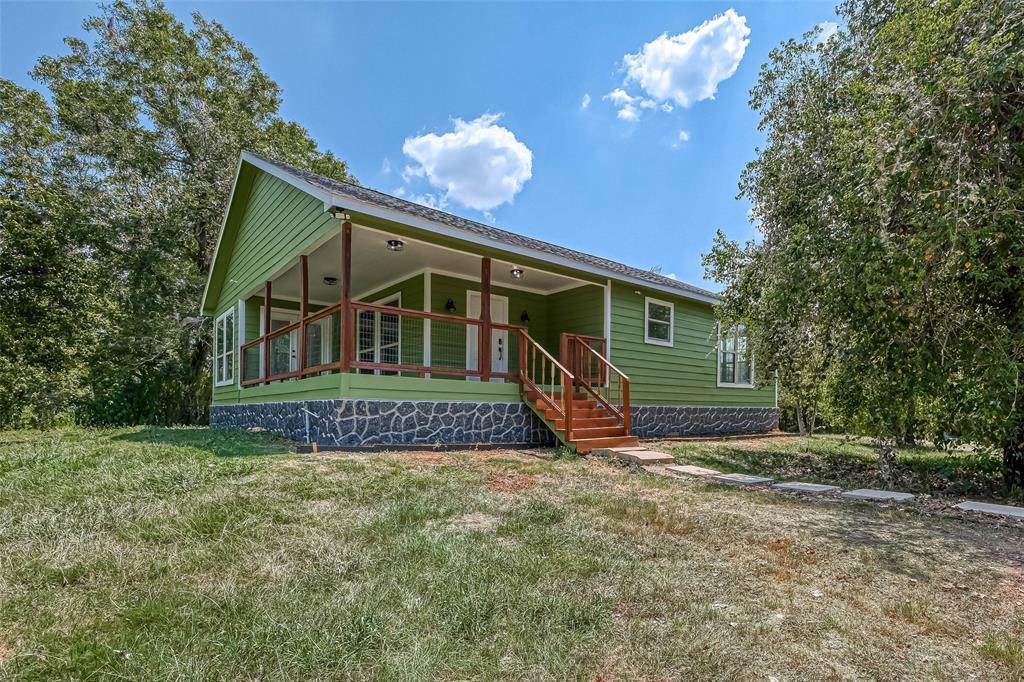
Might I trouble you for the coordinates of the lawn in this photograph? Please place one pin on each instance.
(159, 554)
(853, 463)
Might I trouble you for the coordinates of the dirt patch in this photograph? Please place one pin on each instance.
(421, 457)
(6, 652)
(475, 521)
(511, 482)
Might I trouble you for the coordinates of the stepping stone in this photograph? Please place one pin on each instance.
(807, 487)
(635, 455)
(878, 495)
(691, 470)
(998, 509)
(741, 479)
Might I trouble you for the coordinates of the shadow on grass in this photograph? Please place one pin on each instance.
(217, 443)
(849, 465)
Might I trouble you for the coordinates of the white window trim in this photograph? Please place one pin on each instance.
(228, 358)
(671, 321)
(718, 367)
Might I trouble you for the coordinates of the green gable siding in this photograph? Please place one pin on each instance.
(683, 374)
(277, 223)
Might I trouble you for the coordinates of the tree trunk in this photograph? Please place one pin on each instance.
(1013, 458)
(886, 448)
(800, 424)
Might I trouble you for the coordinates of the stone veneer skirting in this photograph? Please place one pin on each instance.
(362, 423)
(667, 421)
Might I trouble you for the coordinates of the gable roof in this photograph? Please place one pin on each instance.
(362, 199)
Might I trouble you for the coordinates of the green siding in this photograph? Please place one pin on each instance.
(277, 223)
(577, 311)
(683, 374)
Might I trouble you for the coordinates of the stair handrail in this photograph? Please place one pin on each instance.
(562, 406)
(625, 414)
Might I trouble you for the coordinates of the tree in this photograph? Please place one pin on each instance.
(889, 202)
(157, 113)
(49, 279)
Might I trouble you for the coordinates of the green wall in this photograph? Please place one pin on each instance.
(578, 311)
(683, 374)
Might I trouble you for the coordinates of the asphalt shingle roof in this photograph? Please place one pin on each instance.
(472, 228)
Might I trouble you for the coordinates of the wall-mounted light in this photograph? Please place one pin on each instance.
(524, 317)
(395, 245)
(517, 273)
(450, 306)
(331, 281)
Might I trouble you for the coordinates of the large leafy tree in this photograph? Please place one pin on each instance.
(890, 201)
(49, 278)
(156, 113)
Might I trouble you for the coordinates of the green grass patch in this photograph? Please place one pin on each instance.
(185, 554)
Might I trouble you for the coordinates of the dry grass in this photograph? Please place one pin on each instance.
(158, 554)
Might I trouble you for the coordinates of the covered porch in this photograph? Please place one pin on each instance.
(376, 313)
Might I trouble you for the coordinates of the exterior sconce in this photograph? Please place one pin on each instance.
(339, 213)
(524, 317)
(450, 306)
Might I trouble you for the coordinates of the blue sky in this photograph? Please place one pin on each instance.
(479, 108)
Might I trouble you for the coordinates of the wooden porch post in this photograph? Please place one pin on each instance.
(484, 354)
(266, 330)
(348, 330)
(303, 312)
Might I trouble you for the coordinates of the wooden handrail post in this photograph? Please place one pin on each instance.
(522, 357)
(484, 352)
(347, 321)
(303, 310)
(267, 287)
(567, 392)
(626, 412)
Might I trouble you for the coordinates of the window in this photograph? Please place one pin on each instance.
(224, 349)
(658, 319)
(734, 365)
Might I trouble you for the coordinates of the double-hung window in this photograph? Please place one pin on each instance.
(734, 364)
(658, 321)
(224, 349)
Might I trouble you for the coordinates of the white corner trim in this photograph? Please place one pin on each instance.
(671, 321)
(426, 323)
(608, 320)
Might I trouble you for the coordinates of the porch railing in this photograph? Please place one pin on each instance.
(586, 358)
(545, 380)
(383, 340)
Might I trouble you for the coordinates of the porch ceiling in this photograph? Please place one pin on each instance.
(374, 266)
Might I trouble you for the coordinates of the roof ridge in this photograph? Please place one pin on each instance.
(499, 234)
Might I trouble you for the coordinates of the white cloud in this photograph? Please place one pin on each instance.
(479, 164)
(682, 137)
(585, 104)
(385, 166)
(628, 106)
(688, 67)
(672, 275)
(826, 30)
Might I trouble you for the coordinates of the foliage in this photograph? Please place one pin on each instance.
(153, 116)
(889, 199)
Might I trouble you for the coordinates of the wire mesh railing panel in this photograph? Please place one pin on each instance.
(251, 363)
(282, 354)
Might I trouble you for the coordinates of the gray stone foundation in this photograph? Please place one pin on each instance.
(667, 421)
(367, 423)
(362, 423)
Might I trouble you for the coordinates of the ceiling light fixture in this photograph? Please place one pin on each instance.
(395, 245)
(517, 273)
(331, 281)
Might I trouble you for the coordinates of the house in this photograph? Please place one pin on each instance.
(349, 317)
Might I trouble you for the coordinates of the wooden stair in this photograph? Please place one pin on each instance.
(578, 407)
(592, 425)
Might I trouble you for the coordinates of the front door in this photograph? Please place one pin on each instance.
(499, 337)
